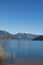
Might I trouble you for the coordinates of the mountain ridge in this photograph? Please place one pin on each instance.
(21, 36)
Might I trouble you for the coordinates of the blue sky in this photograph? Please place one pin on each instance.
(21, 16)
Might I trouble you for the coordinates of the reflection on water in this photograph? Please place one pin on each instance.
(16, 49)
(3, 54)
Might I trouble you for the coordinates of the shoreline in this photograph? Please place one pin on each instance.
(24, 62)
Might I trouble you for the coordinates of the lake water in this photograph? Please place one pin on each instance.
(23, 49)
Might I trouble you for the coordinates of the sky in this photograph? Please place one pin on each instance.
(21, 16)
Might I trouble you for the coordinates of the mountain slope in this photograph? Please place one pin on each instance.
(39, 38)
(25, 36)
(5, 35)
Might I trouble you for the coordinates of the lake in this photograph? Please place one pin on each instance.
(23, 51)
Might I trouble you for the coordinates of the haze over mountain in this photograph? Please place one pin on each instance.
(23, 36)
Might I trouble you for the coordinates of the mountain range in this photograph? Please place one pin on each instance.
(18, 36)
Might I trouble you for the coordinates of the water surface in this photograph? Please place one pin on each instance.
(23, 49)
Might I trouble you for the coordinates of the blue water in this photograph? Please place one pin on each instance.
(23, 49)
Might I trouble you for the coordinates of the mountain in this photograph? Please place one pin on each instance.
(39, 38)
(25, 36)
(21, 36)
(5, 35)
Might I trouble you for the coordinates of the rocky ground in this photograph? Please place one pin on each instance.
(23, 62)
